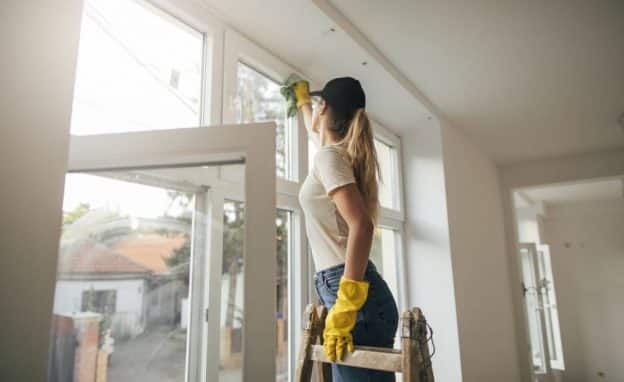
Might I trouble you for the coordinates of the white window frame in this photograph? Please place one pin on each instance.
(212, 30)
(240, 49)
(237, 49)
(223, 49)
(394, 218)
(388, 138)
(201, 19)
(196, 147)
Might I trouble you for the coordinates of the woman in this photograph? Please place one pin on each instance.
(340, 203)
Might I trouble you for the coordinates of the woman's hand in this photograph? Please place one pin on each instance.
(341, 318)
(302, 93)
(304, 104)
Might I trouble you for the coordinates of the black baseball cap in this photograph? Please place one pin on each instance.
(345, 95)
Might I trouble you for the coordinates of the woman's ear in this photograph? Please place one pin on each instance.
(322, 107)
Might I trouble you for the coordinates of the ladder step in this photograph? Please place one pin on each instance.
(366, 357)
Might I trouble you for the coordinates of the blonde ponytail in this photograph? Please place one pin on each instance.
(360, 147)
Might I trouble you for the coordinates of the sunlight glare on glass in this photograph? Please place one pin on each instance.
(138, 69)
(385, 157)
(136, 200)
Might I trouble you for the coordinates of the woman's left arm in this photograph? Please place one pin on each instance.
(352, 208)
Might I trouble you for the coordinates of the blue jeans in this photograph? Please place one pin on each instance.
(376, 323)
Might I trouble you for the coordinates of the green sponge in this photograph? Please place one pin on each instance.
(288, 92)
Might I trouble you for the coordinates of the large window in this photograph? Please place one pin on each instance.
(127, 243)
(258, 99)
(384, 256)
(138, 69)
(388, 182)
(284, 228)
(123, 281)
(386, 251)
(388, 190)
(232, 296)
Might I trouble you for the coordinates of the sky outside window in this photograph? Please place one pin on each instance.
(138, 69)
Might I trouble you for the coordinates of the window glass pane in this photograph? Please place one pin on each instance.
(283, 254)
(258, 99)
(230, 368)
(138, 69)
(384, 256)
(232, 292)
(388, 183)
(122, 292)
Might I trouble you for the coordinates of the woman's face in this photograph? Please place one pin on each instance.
(320, 117)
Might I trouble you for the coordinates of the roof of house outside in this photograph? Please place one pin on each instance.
(90, 256)
(150, 250)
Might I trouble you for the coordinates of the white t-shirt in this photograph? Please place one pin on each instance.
(326, 229)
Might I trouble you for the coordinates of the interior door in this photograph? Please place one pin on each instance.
(164, 313)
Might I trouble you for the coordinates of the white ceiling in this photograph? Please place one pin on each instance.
(525, 79)
(569, 193)
(299, 33)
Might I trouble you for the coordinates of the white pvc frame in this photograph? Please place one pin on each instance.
(240, 49)
(394, 218)
(253, 144)
(223, 48)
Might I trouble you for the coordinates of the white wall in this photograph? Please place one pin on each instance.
(529, 222)
(480, 267)
(38, 42)
(587, 250)
(128, 319)
(428, 256)
(129, 295)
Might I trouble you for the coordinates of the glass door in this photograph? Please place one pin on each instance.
(143, 278)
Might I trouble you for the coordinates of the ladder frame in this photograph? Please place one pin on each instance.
(413, 360)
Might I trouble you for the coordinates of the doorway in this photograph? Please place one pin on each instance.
(570, 259)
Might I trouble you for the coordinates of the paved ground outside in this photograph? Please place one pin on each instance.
(159, 355)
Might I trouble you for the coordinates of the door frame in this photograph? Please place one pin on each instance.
(251, 144)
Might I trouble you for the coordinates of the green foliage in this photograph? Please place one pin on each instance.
(288, 92)
(181, 202)
(258, 99)
(81, 210)
(180, 256)
(233, 236)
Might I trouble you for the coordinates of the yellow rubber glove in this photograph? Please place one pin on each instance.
(341, 318)
(302, 93)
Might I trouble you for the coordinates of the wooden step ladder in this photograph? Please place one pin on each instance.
(413, 360)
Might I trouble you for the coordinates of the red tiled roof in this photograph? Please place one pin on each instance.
(92, 257)
(150, 250)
